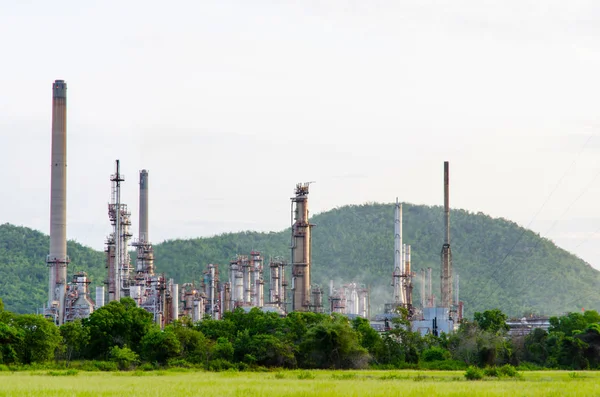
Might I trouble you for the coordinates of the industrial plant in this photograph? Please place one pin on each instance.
(240, 284)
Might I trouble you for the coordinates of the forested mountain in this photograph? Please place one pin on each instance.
(23, 271)
(500, 264)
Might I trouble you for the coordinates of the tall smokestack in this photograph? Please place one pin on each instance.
(144, 237)
(446, 275)
(447, 202)
(57, 259)
(145, 254)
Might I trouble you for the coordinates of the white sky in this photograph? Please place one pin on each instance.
(230, 103)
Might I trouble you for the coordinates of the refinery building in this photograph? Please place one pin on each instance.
(240, 283)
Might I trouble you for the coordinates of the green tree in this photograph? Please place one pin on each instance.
(572, 353)
(160, 346)
(476, 346)
(411, 342)
(536, 348)
(573, 323)
(195, 346)
(117, 324)
(75, 338)
(367, 336)
(41, 338)
(214, 329)
(493, 321)
(222, 350)
(264, 349)
(332, 343)
(11, 338)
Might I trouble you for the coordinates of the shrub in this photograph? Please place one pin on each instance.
(242, 366)
(219, 364)
(343, 376)
(473, 373)
(146, 367)
(435, 354)
(393, 377)
(306, 375)
(446, 365)
(124, 357)
(99, 366)
(69, 372)
(508, 370)
(491, 371)
(279, 375)
(179, 363)
(526, 366)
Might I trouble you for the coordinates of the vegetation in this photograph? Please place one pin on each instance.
(123, 336)
(23, 270)
(500, 264)
(293, 383)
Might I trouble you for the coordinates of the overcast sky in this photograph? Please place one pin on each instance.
(230, 103)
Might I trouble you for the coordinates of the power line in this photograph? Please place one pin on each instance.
(581, 194)
(498, 265)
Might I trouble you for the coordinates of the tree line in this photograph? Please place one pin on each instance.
(122, 336)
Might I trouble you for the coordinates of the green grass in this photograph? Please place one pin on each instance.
(295, 383)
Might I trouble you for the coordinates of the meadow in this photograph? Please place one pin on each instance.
(294, 383)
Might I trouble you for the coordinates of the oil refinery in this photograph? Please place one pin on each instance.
(241, 283)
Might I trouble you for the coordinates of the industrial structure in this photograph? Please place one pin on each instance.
(402, 276)
(246, 282)
(66, 302)
(302, 298)
(446, 317)
(57, 259)
(446, 275)
(351, 299)
(277, 284)
(211, 297)
(150, 291)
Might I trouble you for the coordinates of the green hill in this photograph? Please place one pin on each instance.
(500, 264)
(23, 271)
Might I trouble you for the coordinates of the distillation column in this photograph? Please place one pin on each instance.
(446, 274)
(274, 284)
(57, 260)
(301, 250)
(397, 275)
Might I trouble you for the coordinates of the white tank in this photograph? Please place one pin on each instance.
(99, 297)
(135, 292)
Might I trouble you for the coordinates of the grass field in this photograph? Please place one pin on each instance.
(294, 383)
